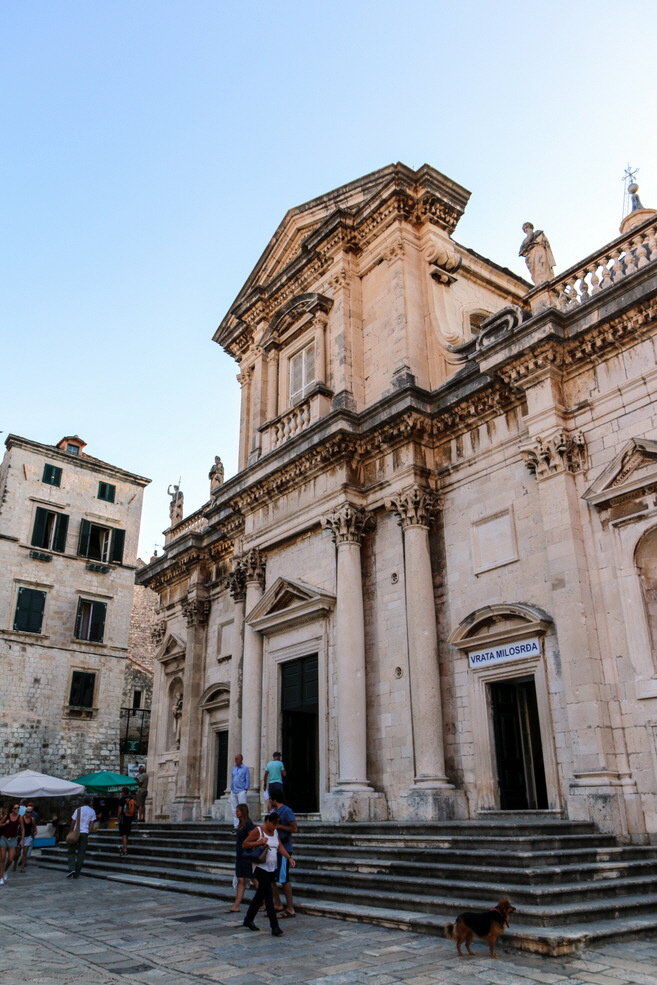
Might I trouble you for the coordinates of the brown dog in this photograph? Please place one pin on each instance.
(487, 925)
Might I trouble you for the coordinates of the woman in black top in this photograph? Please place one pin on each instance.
(243, 869)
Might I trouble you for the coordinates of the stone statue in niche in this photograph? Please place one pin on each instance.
(176, 505)
(216, 475)
(177, 716)
(535, 248)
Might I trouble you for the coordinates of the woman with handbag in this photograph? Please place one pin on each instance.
(262, 847)
(82, 821)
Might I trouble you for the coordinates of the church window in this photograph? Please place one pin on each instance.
(52, 475)
(106, 491)
(101, 543)
(83, 686)
(90, 621)
(29, 610)
(302, 372)
(50, 530)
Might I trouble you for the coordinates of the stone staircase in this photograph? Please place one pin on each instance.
(571, 885)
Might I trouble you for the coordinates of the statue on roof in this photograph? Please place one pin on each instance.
(176, 505)
(216, 475)
(535, 248)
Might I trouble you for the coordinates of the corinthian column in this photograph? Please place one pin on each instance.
(254, 568)
(414, 508)
(353, 793)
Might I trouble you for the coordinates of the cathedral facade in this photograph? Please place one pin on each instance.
(432, 581)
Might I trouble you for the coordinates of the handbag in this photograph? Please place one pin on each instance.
(256, 855)
(73, 836)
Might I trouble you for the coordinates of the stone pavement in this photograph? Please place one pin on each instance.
(57, 931)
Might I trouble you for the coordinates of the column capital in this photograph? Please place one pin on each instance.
(415, 506)
(195, 610)
(254, 566)
(558, 452)
(347, 523)
(237, 582)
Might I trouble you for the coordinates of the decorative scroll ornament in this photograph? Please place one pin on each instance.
(237, 582)
(348, 523)
(415, 507)
(254, 566)
(562, 452)
(196, 611)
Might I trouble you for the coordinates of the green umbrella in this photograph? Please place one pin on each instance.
(105, 782)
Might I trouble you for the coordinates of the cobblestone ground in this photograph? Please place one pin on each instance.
(57, 931)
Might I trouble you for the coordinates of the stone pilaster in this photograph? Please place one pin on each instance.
(187, 803)
(353, 798)
(254, 575)
(431, 796)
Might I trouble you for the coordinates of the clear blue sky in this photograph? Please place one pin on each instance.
(150, 149)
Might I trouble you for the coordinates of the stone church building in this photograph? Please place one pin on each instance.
(432, 582)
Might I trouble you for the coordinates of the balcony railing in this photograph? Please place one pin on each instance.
(195, 521)
(621, 258)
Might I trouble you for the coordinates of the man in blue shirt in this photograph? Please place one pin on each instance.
(240, 781)
(286, 827)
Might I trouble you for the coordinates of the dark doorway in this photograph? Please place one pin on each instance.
(518, 749)
(222, 763)
(300, 710)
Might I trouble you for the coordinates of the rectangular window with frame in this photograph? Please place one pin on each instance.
(29, 610)
(49, 530)
(302, 372)
(101, 543)
(83, 686)
(90, 620)
(106, 491)
(52, 475)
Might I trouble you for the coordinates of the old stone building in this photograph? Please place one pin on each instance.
(69, 525)
(432, 581)
(138, 677)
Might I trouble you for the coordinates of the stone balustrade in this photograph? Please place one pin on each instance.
(290, 424)
(621, 258)
(195, 521)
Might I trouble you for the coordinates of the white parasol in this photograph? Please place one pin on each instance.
(29, 783)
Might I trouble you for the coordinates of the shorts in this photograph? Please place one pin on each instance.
(282, 870)
(28, 841)
(140, 797)
(276, 790)
(125, 825)
(8, 842)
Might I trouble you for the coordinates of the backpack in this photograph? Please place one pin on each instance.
(129, 806)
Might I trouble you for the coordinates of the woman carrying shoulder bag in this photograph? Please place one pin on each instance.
(265, 870)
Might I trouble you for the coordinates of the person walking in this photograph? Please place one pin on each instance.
(126, 815)
(11, 838)
(243, 868)
(142, 793)
(240, 781)
(273, 778)
(287, 826)
(82, 820)
(265, 871)
(29, 834)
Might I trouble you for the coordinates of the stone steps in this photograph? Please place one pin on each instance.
(570, 885)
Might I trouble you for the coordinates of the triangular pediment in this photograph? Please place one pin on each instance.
(172, 646)
(633, 470)
(288, 602)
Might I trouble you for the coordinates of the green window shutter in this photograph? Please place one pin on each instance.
(106, 491)
(97, 627)
(29, 610)
(78, 620)
(85, 534)
(61, 529)
(52, 474)
(118, 541)
(39, 533)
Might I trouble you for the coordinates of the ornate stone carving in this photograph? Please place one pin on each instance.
(254, 566)
(157, 633)
(237, 582)
(415, 506)
(562, 452)
(347, 523)
(196, 611)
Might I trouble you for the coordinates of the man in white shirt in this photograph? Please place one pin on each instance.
(83, 820)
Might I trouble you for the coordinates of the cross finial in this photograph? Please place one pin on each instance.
(631, 200)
